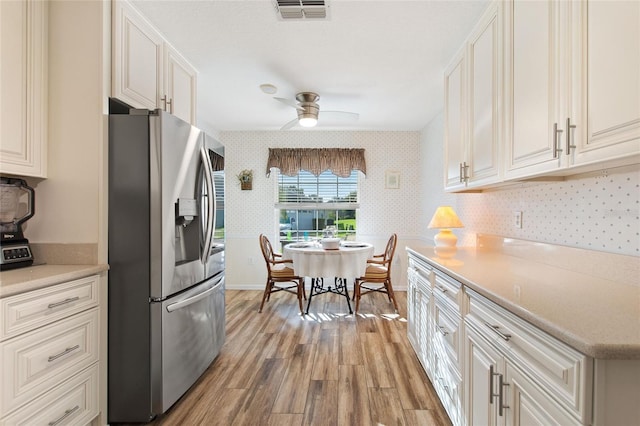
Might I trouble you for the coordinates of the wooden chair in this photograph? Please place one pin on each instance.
(378, 275)
(278, 274)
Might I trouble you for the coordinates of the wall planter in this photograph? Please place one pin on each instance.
(246, 178)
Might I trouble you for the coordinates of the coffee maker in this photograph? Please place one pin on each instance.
(14, 247)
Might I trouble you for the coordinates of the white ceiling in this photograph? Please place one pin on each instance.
(381, 59)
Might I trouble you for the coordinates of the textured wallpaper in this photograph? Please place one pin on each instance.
(598, 211)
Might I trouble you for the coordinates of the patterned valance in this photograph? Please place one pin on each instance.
(341, 161)
(217, 161)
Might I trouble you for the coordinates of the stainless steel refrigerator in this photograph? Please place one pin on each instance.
(166, 261)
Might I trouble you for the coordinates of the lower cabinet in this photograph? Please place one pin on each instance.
(487, 365)
(49, 354)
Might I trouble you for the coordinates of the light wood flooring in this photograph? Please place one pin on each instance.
(327, 368)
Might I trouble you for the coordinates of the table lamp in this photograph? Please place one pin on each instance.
(445, 218)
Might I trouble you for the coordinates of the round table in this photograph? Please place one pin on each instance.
(346, 263)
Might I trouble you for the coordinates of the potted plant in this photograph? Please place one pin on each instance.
(245, 177)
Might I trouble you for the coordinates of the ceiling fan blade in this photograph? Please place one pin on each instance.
(340, 115)
(289, 102)
(289, 125)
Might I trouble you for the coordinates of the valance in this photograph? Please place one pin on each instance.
(217, 161)
(341, 161)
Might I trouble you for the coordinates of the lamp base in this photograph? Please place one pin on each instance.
(445, 238)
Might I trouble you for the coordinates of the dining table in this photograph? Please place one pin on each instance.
(343, 265)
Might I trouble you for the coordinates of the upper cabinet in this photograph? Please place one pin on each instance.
(472, 106)
(605, 74)
(533, 87)
(572, 85)
(23, 85)
(147, 71)
(551, 88)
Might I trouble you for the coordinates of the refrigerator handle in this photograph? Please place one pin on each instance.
(186, 302)
(211, 191)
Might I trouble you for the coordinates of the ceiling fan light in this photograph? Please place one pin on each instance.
(308, 121)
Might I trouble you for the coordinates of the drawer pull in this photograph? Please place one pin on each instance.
(442, 289)
(442, 330)
(64, 302)
(63, 353)
(66, 414)
(496, 329)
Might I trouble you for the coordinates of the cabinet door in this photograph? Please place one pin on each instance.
(180, 86)
(137, 58)
(424, 334)
(412, 309)
(23, 85)
(485, 82)
(482, 363)
(606, 107)
(532, 91)
(455, 118)
(527, 405)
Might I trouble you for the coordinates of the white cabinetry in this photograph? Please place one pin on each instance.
(147, 71)
(23, 85)
(49, 354)
(605, 72)
(572, 86)
(434, 332)
(473, 106)
(519, 375)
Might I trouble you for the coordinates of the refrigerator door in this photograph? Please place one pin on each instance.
(187, 334)
(176, 231)
(214, 256)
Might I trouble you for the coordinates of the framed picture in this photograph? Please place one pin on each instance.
(391, 180)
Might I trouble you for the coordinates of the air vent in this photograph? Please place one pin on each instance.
(301, 9)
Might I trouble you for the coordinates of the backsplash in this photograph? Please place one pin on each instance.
(598, 211)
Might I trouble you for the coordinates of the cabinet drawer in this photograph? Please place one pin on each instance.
(33, 309)
(447, 287)
(36, 362)
(446, 331)
(553, 365)
(73, 402)
(421, 268)
(448, 386)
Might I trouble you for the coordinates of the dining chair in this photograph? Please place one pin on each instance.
(377, 277)
(278, 274)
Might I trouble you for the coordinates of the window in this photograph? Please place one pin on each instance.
(307, 204)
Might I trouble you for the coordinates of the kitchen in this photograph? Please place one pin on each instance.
(71, 216)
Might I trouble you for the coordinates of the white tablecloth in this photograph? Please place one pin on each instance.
(311, 260)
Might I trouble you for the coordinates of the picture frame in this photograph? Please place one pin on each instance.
(391, 180)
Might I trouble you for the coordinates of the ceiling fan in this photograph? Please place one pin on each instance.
(309, 111)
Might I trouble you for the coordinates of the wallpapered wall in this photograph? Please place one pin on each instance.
(598, 211)
(382, 211)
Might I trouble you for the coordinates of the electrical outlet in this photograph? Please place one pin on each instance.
(517, 219)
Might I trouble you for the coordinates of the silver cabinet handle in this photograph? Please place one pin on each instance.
(556, 149)
(442, 289)
(461, 173)
(66, 414)
(164, 102)
(442, 330)
(170, 103)
(63, 302)
(501, 386)
(569, 128)
(496, 329)
(465, 169)
(63, 353)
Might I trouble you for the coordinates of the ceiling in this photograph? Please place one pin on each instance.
(381, 59)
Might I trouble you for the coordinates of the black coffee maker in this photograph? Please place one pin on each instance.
(17, 205)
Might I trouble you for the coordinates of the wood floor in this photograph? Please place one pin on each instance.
(327, 368)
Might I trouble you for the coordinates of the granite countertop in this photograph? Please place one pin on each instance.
(594, 315)
(34, 277)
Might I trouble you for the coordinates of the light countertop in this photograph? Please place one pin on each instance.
(17, 281)
(597, 316)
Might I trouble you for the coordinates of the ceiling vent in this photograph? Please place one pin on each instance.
(301, 9)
